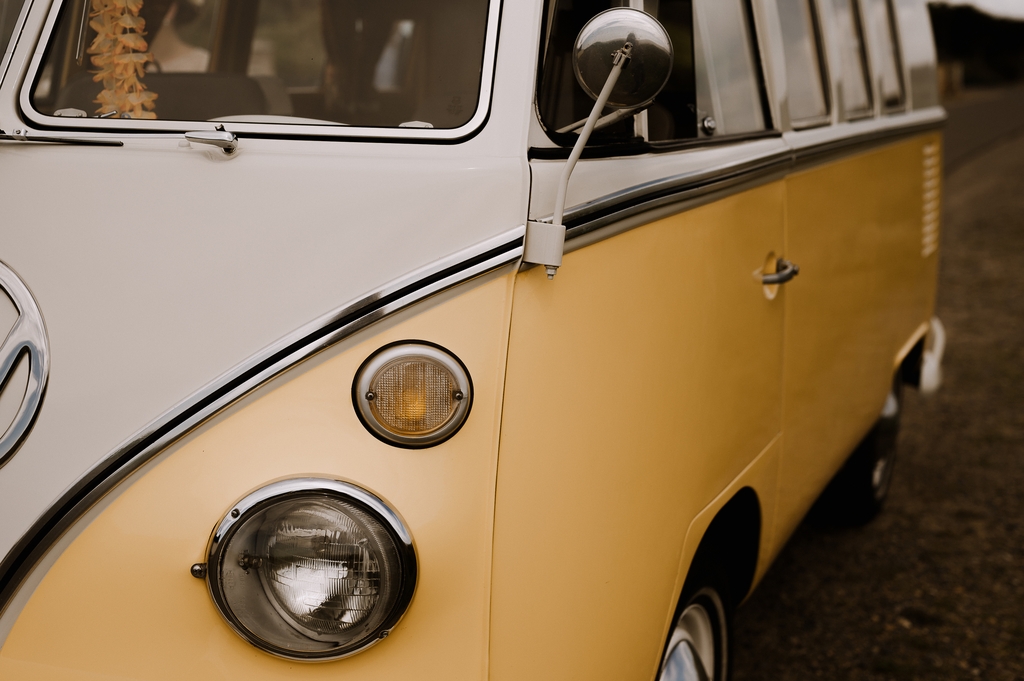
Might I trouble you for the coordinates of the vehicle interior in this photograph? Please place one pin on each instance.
(341, 62)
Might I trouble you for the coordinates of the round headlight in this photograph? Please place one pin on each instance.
(311, 569)
(412, 394)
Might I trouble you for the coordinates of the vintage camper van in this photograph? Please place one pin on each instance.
(461, 339)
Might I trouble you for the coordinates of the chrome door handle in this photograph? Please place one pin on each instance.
(217, 138)
(785, 270)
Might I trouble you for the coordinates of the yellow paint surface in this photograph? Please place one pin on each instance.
(641, 382)
(629, 399)
(855, 227)
(120, 603)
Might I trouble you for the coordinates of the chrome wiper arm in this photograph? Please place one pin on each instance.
(20, 136)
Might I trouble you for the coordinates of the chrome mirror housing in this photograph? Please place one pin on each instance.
(650, 60)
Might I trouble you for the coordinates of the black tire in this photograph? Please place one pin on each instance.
(698, 648)
(858, 492)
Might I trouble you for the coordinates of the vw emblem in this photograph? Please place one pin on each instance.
(27, 338)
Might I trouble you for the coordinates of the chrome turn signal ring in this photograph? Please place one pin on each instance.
(412, 394)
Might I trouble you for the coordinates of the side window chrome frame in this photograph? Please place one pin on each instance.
(710, 86)
(874, 69)
(865, 61)
(271, 130)
(833, 39)
(12, 44)
(827, 86)
(897, 51)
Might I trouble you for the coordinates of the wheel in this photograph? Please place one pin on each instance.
(858, 492)
(698, 649)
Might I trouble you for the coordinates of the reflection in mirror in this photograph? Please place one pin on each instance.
(650, 58)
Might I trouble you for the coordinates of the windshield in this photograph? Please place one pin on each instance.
(377, 63)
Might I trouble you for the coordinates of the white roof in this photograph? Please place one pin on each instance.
(1003, 9)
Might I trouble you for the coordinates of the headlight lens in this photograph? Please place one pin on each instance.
(412, 394)
(312, 569)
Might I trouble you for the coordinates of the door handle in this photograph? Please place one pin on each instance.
(217, 138)
(785, 270)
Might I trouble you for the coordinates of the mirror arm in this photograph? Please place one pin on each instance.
(603, 121)
(546, 241)
(621, 61)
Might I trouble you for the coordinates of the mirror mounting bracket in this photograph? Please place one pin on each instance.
(546, 241)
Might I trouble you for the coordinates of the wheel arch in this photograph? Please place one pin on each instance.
(730, 546)
(726, 558)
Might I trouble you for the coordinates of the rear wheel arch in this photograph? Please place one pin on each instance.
(719, 578)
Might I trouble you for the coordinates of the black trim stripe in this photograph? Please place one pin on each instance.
(89, 489)
(623, 149)
(601, 212)
(593, 215)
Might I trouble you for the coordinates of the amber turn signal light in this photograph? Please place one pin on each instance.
(412, 394)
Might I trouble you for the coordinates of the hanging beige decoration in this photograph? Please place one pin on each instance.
(121, 53)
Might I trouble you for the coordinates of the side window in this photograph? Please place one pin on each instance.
(288, 58)
(885, 53)
(10, 10)
(673, 115)
(346, 62)
(805, 75)
(855, 87)
(716, 74)
(729, 85)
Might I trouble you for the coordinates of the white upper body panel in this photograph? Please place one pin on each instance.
(158, 266)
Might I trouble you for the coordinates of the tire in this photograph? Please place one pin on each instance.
(698, 647)
(858, 492)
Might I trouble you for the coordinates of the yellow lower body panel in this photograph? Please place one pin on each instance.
(120, 603)
(641, 383)
(864, 231)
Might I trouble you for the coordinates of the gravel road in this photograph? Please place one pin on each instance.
(933, 588)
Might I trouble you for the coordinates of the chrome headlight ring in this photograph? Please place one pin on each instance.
(311, 569)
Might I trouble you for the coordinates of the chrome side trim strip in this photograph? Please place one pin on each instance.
(238, 382)
(658, 196)
(594, 215)
(832, 143)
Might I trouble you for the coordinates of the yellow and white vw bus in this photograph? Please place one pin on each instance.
(461, 339)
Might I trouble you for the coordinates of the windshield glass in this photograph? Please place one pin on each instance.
(378, 63)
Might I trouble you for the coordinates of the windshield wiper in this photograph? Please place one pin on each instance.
(21, 136)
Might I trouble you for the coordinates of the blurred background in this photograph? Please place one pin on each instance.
(934, 587)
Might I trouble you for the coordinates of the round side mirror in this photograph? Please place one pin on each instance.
(650, 61)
